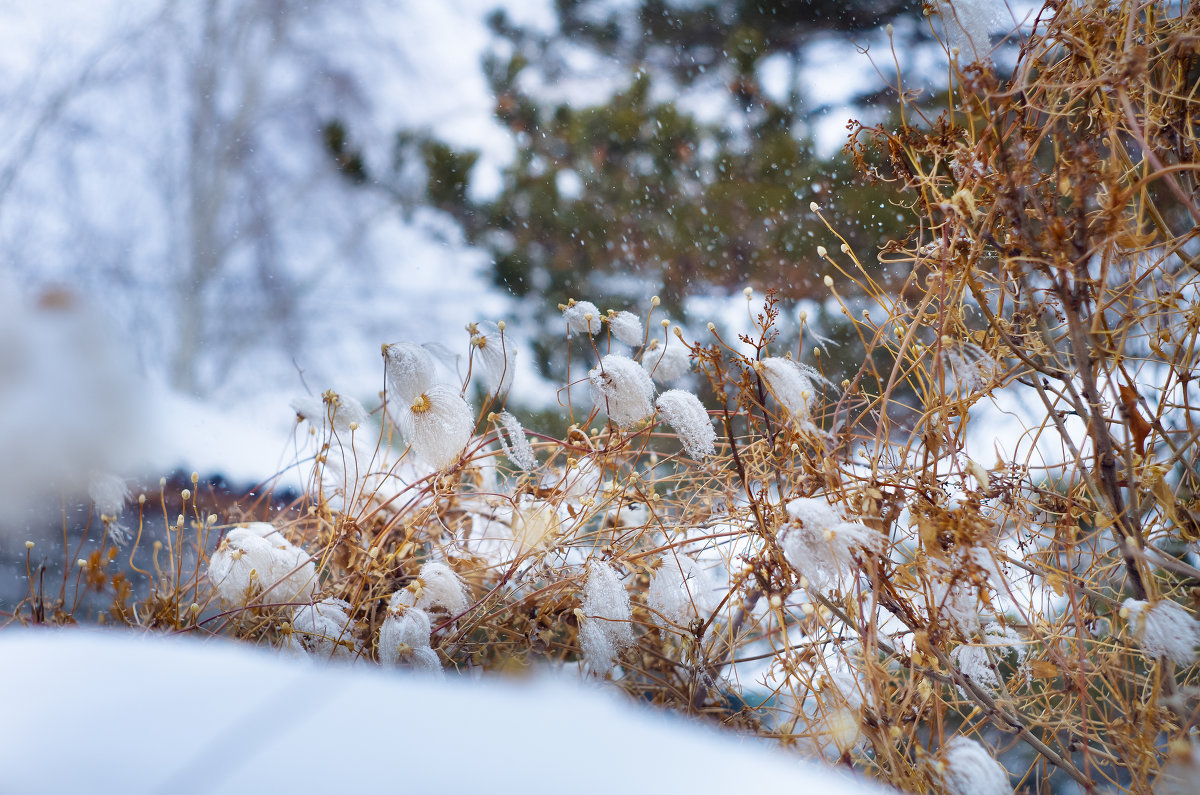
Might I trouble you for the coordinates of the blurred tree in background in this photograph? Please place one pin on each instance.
(641, 190)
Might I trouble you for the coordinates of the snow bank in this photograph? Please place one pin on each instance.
(111, 712)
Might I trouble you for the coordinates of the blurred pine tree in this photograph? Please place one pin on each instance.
(637, 194)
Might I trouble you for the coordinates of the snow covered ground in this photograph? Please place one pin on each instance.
(106, 711)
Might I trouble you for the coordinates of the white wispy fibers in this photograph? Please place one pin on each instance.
(438, 423)
(968, 25)
(605, 626)
(975, 660)
(792, 384)
(257, 559)
(820, 544)
(323, 628)
(968, 366)
(627, 328)
(404, 638)
(339, 420)
(436, 589)
(1180, 773)
(968, 769)
(342, 410)
(495, 353)
(109, 493)
(411, 370)
(582, 317)
(680, 591)
(517, 446)
(686, 415)
(622, 389)
(667, 361)
(1163, 629)
(535, 523)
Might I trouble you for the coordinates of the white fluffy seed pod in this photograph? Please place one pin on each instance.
(437, 588)
(668, 362)
(517, 446)
(323, 628)
(622, 389)
(792, 384)
(1163, 629)
(968, 769)
(820, 543)
(404, 638)
(627, 328)
(605, 628)
(969, 24)
(582, 318)
(684, 412)
(438, 423)
(319, 410)
(410, 370)
(257, 560)
(535, 523)
(680, 591)
(495, 353)
(110, 493)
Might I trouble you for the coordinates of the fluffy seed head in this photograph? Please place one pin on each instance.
(605, 628)
(667, 363)
(109, 493)
(495, 352)
(791, 383)
(627, 328)
(1163, 629)
(404, 639)
(323, 628)
(622, 389)
(684, 412)
(438, 423)
(680, 591)
(257, 559)
(582, 317)
(968, 25)
(344, 410)
(410, 370)
(968, 769)
(436, 589)
(517, 447)
(820, 544)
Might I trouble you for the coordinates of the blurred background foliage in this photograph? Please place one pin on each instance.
(643, 192)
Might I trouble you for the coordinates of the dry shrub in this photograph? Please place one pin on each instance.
(846, 572)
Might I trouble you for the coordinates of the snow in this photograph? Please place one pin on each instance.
(105, 711)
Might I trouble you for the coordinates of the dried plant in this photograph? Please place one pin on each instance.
(842, 567)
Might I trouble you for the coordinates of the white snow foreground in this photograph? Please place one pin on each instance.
(105, 711)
